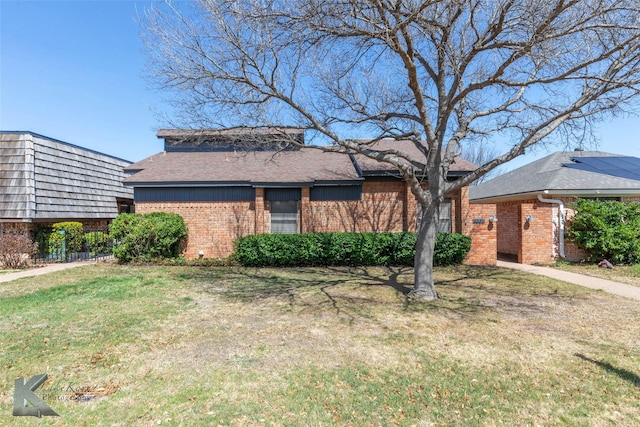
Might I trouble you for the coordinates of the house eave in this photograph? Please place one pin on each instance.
(258, 184)
(167, 184)
(610, 192)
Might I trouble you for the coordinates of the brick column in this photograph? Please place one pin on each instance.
(259, 202)
(305, 210)
(483, 234)
(536, 235)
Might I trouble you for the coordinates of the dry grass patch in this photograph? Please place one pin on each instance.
(339, 346)
(629, 274)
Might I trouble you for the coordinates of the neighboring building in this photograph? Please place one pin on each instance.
(45, 181)
(533, 202)
(231, 183)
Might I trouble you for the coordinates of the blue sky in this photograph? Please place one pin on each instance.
(72, 70)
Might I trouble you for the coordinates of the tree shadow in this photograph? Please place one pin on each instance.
(620, 372)
(463, 292)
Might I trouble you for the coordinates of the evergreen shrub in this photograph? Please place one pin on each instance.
(607, 230)
(148, 236)
(344, 249)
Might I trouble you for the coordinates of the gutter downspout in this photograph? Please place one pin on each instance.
(560, 204)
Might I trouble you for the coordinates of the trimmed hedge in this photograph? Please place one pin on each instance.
(344, 249)
(148, 236)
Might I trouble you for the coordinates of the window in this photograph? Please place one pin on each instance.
(444, 222)
(284, 217)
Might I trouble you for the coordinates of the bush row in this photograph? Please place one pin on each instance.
(348, 249)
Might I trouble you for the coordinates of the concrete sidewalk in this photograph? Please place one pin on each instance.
(616, 288)
(39, 271)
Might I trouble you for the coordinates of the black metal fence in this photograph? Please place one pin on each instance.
(94, 246)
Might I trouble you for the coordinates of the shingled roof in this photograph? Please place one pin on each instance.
(218, 163)
(563, 173)
(372, 167)
(307, 166)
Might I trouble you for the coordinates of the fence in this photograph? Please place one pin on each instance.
(94, 246)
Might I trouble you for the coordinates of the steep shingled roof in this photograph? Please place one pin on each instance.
(558, 173)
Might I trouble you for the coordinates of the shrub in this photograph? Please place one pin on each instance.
(148, 236)
(15, 250)
(451, 248)
(65, 237)
(348, 249)
(607, 230)
(97, 242)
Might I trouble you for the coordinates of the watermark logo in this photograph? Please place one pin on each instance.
(26, 402)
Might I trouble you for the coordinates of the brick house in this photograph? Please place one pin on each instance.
(226, 188)
(44, 181)
(533, 202)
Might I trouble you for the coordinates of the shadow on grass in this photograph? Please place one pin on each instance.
(622, 373)
(463, 291)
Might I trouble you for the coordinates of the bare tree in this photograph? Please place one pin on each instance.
(479, 153)
(436, 72)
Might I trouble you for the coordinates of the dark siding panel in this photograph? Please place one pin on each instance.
(390, 177)
(195, 194)
(336, 192)
(282, 194)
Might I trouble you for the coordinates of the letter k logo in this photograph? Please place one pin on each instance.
(23, 395)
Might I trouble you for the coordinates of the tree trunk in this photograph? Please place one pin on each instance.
(424, 287)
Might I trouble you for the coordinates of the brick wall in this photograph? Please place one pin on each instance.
(212, 226)
(20, 228)
(385, 206)
(382, 208)
(536, 236)
(483, 235)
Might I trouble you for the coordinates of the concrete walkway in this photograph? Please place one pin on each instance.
(616, 288)
(39, 271)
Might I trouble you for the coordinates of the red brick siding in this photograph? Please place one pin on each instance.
(380, 209)
(212, 226)
(536, 236)
(483, 235)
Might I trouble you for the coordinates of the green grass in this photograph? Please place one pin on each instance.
(234, 346)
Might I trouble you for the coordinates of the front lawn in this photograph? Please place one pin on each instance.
(190, 346)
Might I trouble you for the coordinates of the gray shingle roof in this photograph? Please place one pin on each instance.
(556, 174)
